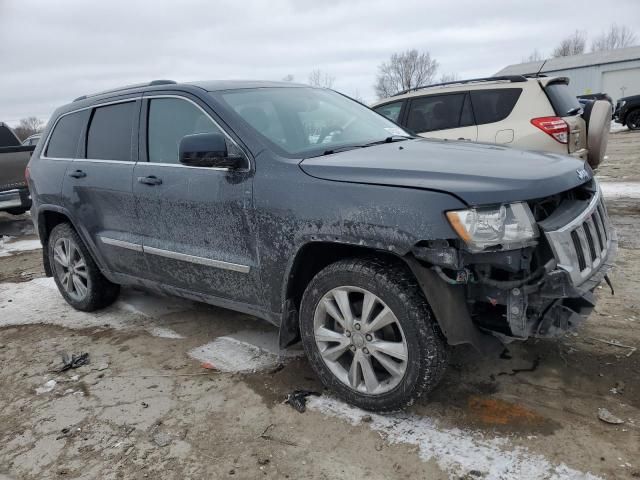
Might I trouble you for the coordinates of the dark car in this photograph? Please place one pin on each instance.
(14, 157)
(305, 208)
(627, 112)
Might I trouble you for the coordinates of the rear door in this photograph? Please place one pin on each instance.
(491, 108)
(98, 185)
(442, 116)
(198, 233)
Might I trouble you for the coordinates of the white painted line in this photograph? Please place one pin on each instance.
(456, 451)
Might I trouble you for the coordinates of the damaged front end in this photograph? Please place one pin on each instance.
(541, 287)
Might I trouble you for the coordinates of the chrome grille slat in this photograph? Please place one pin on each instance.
(590, 233)
(597, 222)
(582, 246)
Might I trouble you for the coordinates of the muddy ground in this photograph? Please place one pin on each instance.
(145, 408)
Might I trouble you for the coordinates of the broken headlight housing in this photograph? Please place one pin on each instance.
(508, 226)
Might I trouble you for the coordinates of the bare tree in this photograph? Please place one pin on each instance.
(574, 44)
(318, 78)
(448, 77)
(28, 126)
(618, 36)
(288, 78)
(534, 56)
(405, 70)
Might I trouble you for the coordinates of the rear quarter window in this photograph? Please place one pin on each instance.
(390, 110)
(562, 101)
(491, 106)
(65, 137)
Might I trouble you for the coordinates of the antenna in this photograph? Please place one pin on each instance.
(542, 66)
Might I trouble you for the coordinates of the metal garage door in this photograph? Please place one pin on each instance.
(621, 83)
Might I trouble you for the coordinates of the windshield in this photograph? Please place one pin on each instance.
(564, 103)
(309, 121)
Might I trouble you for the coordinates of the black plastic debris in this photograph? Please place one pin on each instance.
(298, 399)
(74, 362)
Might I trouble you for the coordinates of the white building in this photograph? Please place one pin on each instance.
(616, 72)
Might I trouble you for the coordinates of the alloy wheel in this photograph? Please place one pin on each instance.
(360, 340)
(71, 268)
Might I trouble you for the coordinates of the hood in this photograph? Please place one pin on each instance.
(474, 172)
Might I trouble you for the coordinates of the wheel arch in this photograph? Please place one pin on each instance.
(48, 217)
(308, 261)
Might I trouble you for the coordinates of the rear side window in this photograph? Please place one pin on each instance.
(170, 119)
(491, 106)
(436, 112)
(390, 110)
(110, 135)
(562, 101)
(66, 135)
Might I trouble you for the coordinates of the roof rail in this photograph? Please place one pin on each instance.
(128, 87)
(508, 78)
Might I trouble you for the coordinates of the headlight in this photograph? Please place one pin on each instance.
(507, 225)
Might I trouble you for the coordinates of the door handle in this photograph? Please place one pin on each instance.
(151, 180)
(78, 174)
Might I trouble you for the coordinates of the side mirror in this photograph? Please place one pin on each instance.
(208, 150)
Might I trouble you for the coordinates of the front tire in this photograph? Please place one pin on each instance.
(370, 335)
(76, 274)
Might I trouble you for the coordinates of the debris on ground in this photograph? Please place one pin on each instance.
(208, 366)
(47, 387)
(267, 436)
(102, 366)
(608, 417)
(616, 343)
(367, 419)
(162, 439)
(74, 361)
(298, 399)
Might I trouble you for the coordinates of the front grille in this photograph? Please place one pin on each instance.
(582, 246)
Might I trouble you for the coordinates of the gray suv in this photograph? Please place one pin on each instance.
(305, 208)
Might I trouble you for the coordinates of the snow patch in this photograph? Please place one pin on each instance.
(456, 451)
(620, 189)
(163, 332)
(9, 247)
(39, 302)
(231, 355)
(245, 351)
(46, 388)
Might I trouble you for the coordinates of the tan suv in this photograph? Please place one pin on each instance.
(532, 113)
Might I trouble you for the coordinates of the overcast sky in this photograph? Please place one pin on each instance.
(53, 51)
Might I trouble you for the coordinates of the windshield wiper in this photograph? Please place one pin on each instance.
(391, 139)
(573, 111)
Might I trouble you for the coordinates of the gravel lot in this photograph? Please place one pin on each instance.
(145, 407)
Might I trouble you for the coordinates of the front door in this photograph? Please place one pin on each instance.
(97, 188)
(197, 224)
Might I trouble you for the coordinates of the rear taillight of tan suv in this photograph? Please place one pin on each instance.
(553, 126)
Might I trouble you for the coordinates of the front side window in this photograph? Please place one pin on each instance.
(170, 119)
(307, 121)
(390, 110)
(436, 112)
(492, 106)
(110, 135)
(64, 139)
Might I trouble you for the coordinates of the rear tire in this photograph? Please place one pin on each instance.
(16, 211)
(381, 365)
(633, 119)
(76, 274)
